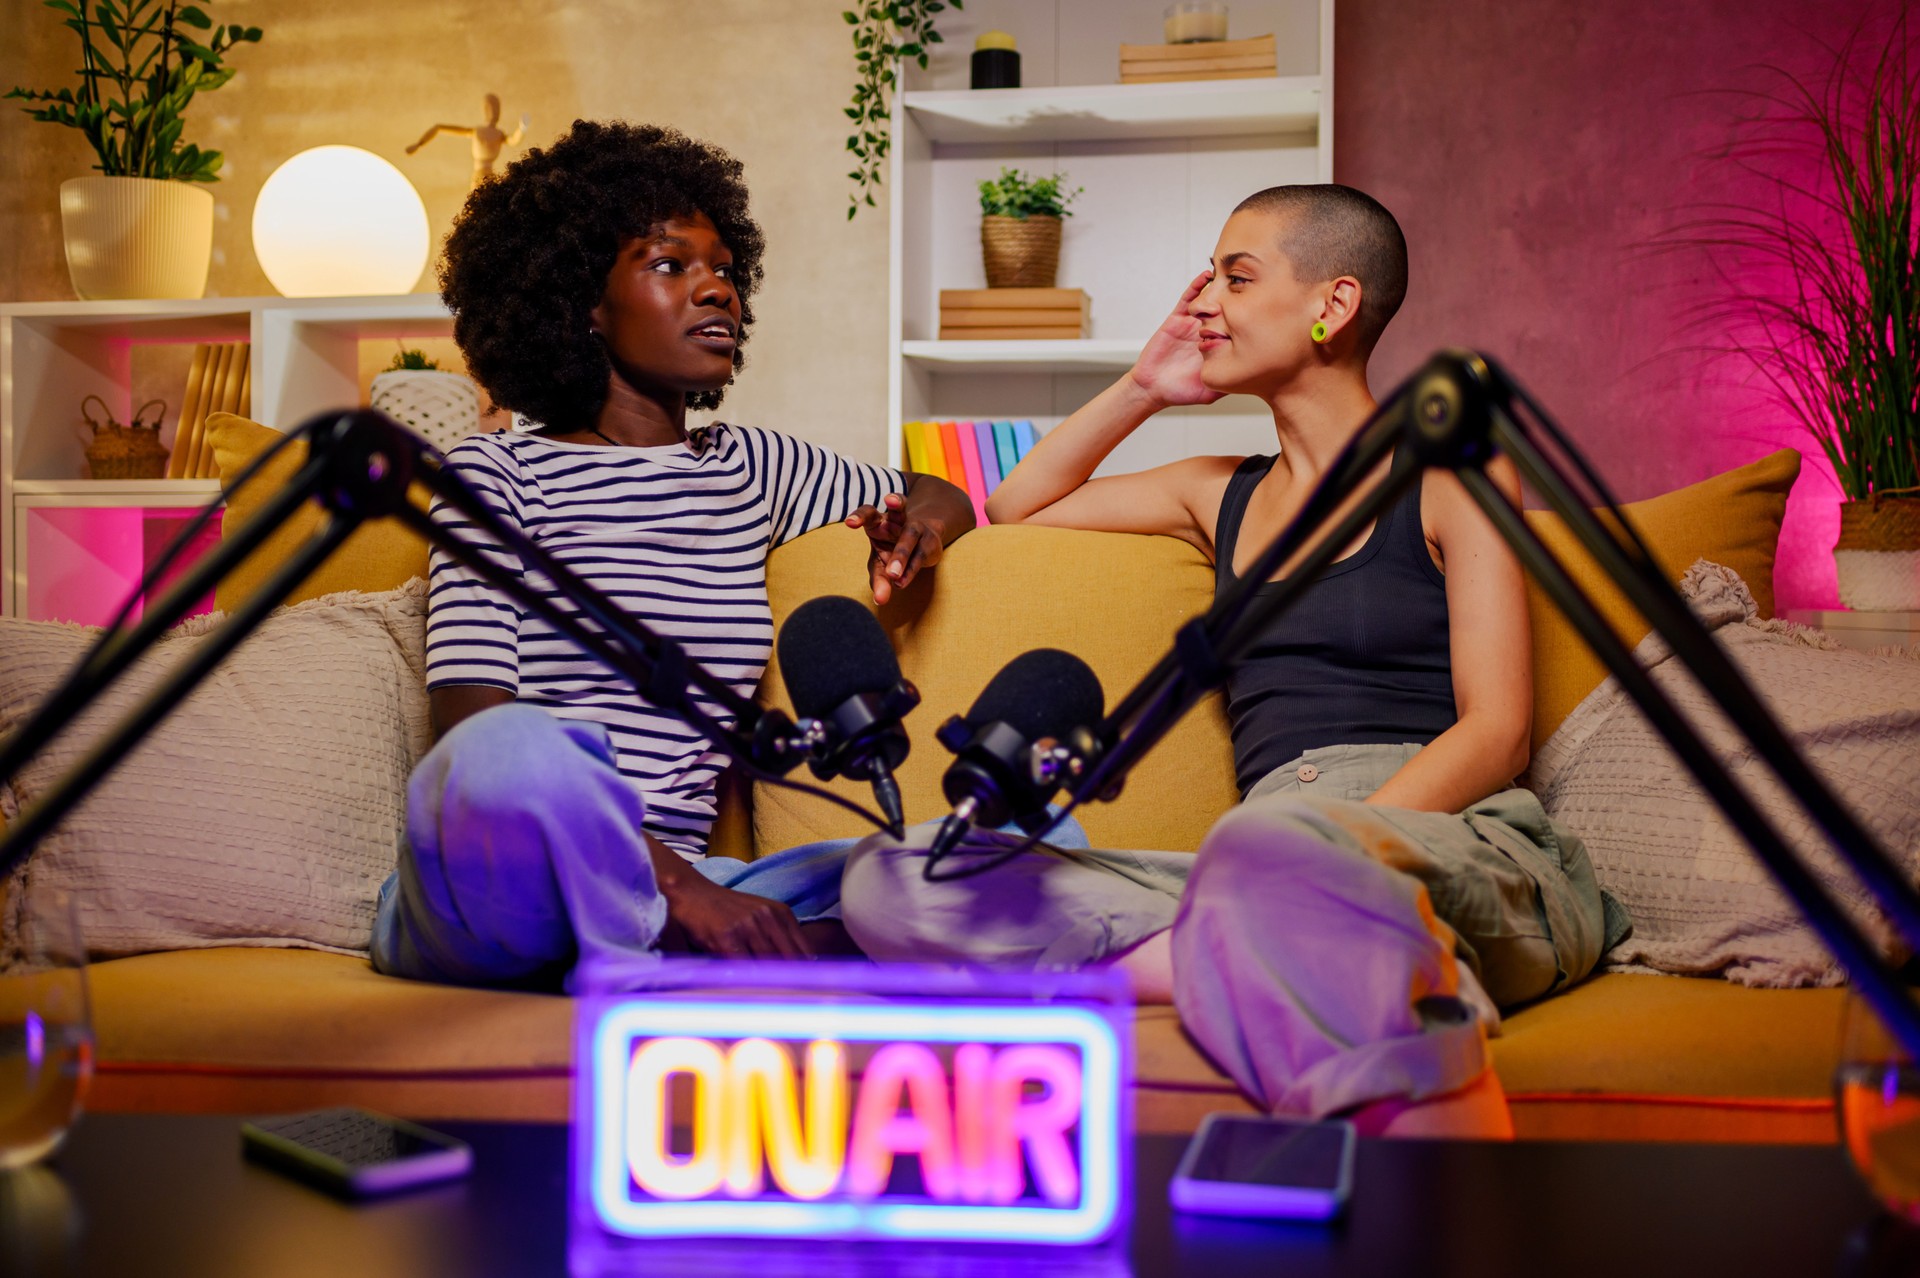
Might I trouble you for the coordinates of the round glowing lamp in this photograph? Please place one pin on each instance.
(337, 221)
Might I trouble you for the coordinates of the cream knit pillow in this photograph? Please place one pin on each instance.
(1702, 902)
(264, 811)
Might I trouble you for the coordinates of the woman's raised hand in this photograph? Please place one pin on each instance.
(1168, 368)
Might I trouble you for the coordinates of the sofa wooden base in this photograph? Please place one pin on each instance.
(260, 1030)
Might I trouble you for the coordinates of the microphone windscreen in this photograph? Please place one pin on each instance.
(830, 649)
(1043, 693)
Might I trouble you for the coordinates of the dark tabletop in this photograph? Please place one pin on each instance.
(155, 1195)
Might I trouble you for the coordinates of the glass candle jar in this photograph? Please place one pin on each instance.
(1191, 21)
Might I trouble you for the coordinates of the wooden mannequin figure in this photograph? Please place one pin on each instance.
(488, 140)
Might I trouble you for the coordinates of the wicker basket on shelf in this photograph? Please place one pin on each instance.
(125, 452)
(442, 408)
(1020, 252)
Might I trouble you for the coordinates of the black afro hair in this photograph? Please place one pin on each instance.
(529, 256)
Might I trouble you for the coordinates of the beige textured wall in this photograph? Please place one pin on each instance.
(764, 78)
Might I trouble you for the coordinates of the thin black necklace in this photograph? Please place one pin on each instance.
(617, 444)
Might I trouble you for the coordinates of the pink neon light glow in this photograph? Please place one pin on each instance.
(1040, 1125)
(746, 1121)
(880, 1130)
(980, 1155)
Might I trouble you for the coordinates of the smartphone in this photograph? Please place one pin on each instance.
(1237, 1165)
(355, 1153)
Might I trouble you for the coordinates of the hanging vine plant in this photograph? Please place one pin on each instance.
(885, 33)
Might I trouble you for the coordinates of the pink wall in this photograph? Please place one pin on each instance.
(1528, 150)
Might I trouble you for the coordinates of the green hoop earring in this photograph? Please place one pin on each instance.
(1318, 332)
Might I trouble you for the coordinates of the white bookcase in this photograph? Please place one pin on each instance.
(306, 359)
(1162, 166)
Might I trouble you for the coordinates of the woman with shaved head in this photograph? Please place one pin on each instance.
(1343, 939)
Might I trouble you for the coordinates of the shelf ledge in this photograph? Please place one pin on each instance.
(1098, 112)
(154, 493)
(1087, 355)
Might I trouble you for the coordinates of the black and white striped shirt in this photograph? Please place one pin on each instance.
(678, 535)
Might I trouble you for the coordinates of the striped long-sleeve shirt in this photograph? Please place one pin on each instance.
(677, 535)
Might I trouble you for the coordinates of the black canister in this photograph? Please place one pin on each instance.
(996, 63)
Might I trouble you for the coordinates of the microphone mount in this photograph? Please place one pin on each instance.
(361, 465)
(854, 720)
(1055, 763)
(1456, 412)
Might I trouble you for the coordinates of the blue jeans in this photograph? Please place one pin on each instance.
(523, 858)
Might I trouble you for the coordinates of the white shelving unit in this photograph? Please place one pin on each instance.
(1162, 166)
(1121, 112)
(52, 355)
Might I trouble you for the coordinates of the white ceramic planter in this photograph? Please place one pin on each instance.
(1878, 580)
(131, 237)
(442, 408)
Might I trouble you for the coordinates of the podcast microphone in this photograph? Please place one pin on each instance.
(1027, 733)
(849, 696)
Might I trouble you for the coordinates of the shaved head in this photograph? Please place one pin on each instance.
(1330, 231)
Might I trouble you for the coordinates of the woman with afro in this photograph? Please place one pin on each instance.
(602, 287)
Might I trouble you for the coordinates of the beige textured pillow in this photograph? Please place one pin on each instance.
(1701, 901)
(264, 811)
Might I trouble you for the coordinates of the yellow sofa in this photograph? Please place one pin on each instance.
(1619, 1057)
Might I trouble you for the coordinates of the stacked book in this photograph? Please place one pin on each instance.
(1204, 60)
(974, 455)
(220, 381)
(1000, 314)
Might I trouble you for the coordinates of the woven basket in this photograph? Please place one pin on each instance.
(126, 452)
(1877, 559)
(442, 408)
(1891, 523)
(1020, 252)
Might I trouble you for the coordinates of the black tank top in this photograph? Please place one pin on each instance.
(1361, 658)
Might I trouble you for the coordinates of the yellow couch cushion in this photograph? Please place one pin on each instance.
(240, 1029)
(1732, 519)
(1112, 600)
(379, 556)
(1116, 601)
(278, 1010)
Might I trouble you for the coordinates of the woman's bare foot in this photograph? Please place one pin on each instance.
(1477, 1111)
(1150, 966)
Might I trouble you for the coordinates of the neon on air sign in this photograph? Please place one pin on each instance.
(942, 1116)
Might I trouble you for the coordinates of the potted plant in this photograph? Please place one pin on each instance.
(1826, 303)
(442, 408)
(1020, 228)
(144, 228)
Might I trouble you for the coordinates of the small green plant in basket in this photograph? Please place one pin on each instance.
(1020, 228)
(1018, 194)
(407, 359)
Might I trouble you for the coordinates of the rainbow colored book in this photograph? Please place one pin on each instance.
(936, 450)
(916, 439)
(976, 484)
(1003, 445)
(989, 455)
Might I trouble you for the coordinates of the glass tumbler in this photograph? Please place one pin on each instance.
(1877, 1101)
(46, 1029)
